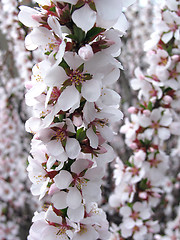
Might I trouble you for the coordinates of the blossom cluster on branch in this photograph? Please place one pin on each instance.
(141, 182)
(73, 106)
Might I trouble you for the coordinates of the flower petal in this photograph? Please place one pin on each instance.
(74, 198)
(72, 148)
(88, 90)
(63, 179)
(68, 98)
(59, 200)
(88, 16)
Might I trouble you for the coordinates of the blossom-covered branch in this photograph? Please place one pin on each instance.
(141, 181)
(74, 106)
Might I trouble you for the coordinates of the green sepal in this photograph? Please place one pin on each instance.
(80, 134)
(93, 33)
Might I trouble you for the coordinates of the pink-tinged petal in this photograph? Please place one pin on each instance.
(63, 179)
(55, 77)
(164, 133)
(122, 24)
(70, 126)
(94, 174)
(166, 37)
(60, 53)
(155, 115)
(125, 231)
(80, 165)
(29, 44)
(166, 119)
(88, 16)
(50, 162)
(145, 214)
(144, 121)
(45, 134)
(68, 1)
(127, 3)
(106, 133)
(26, 16)
(67, 99)
(88, 90)
(94, 141)
(33, 124)
(125, 211)
(175, 128)
(35, 189)
(59, 200)
(72, 148)
(91, 191)
(44, 2)
(51, 216)
(55, 25)
(137, 207)
(54, 147)
(62, 157)
(41, 36)
(112, 76)
(148, 133)
(109, 10)
(74, 198)
(73, 60)
(129, 223)
(77, 214)
(110, 97)
(53, 189)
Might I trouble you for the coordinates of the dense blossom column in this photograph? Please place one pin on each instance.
(141, 182)
(73, 105)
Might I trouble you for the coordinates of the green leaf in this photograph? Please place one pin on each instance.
(67, 82)
(143, 184)
(141, 105)
(81, 134)
(53, 9)
(79, 34)
(48, 53)
(73, 37)
(61, 117)
(81, 68)
(150, 106)
(78, 87)
(64, 64)
(79, 4)
(93, 33)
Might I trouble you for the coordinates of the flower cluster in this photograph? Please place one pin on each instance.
(141, 181)
(73, 106)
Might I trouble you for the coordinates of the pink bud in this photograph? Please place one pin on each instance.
(53, 189)
(143, 195)
(151, 149)
(133, 146)
(37, 18)
(147, 113)
(175, 58)
(102, 150)
(101, 140)
(132, 110)
(77, 120)
(86, 52)
(167, 99)
(28, 85)
(177, 185)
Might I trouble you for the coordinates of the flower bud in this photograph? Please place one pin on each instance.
(86, 52)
